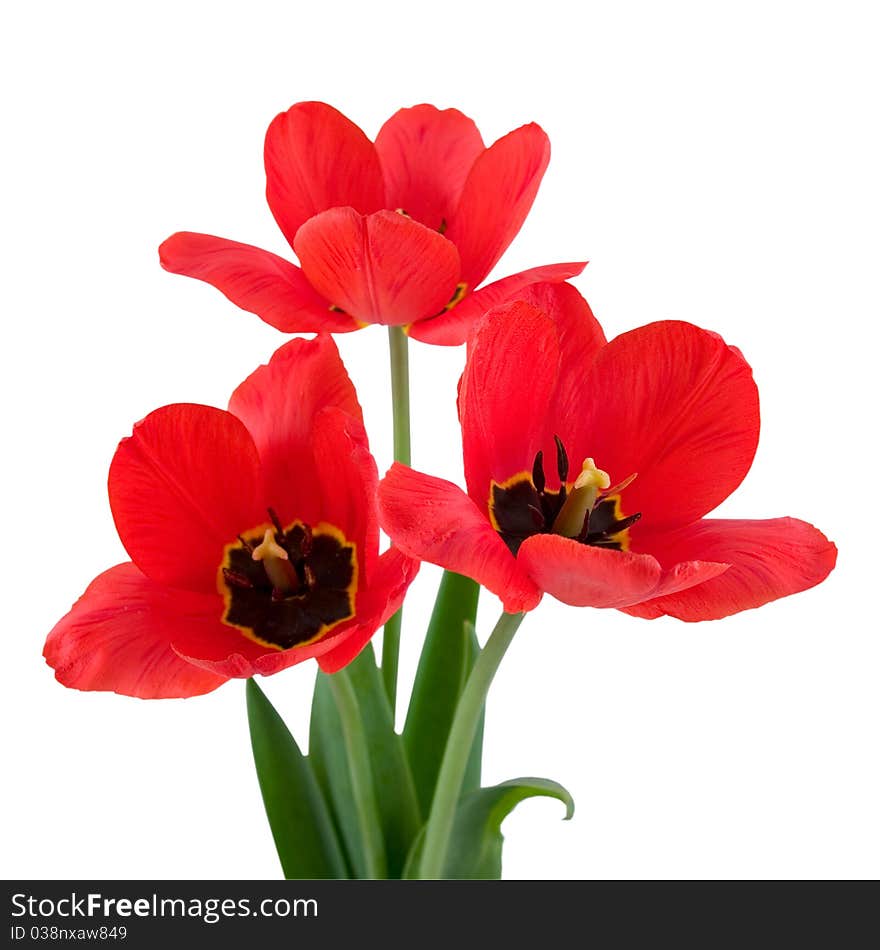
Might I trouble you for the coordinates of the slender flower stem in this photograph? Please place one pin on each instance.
(363, 789)
(397, 342)
(458, 747)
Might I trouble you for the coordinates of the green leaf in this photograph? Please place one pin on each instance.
(301, 825)
(329, 762)
(476, 840)
(474, 769)
(449, 652)
(397, 806)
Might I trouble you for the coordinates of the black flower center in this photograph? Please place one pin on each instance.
(523, 506)
(285, 587)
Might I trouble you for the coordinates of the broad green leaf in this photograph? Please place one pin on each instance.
(398, 805)
(449, 652)
(476, 840)
(301, 825)
(330, 764)
(398, 809)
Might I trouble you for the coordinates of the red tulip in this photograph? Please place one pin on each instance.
(590, 466)
(253, 536)
(398, 232)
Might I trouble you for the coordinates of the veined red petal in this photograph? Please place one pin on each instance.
(585, 576)
(317, 159)
(346, 482)
(505, 393)
(255, 280)
(279, 403)
(383, 268)
(496, 198)
(768, 560)
(376, 605)
(454, 326)
(434, 520)
(674, 404)
(581, 339)
(182, 487)
(117, 637)
(426, 155)
(686, 574)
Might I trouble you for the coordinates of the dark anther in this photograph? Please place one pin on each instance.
(306, 543)
(625, 523)
(309, 575)
(561, 460)
(537, 517)
(277, 523)
(246, 544)
(538, 479)
(608, 531)
(236, 579)
(585, 529)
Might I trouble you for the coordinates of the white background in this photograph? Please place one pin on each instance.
(716, 163)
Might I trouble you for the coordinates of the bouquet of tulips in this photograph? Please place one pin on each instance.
(253, 531)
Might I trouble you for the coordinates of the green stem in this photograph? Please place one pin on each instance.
(458, 747)
(397, 342)
(363, 790)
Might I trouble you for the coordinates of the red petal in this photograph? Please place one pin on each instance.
(346, 483)
(768, 560)
(496, 198)
(317, 159)
(383, 268)
(255, 280)
(375, 605)
(182, 487)
(426, 155)
(118, 635)
(581, 339)
(504, 395)
(279, 403)
(678, 406)
(588, 576)
(226, 652)
(686, 574)
(455, 326)
(432, 519)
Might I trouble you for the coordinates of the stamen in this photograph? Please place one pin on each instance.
(236, 579)
(538, 479)
(276, 522)
(619, 487)
(591, 480)
(537, 517)
(561, 460)
(624, 523)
